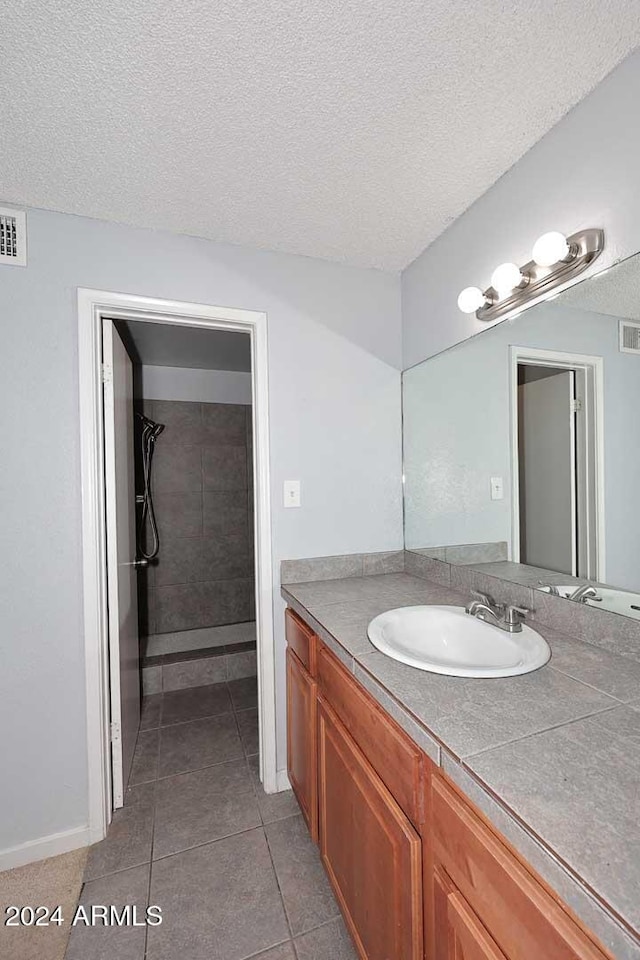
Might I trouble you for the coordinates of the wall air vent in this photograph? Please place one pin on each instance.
(629, 337)
(13, 237)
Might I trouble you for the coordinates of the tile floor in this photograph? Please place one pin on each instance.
(233, 869)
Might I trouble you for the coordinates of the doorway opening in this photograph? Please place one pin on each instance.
(557, 462)
(176, 531)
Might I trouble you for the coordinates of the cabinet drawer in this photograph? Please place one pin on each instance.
(523, 918)
(394, 757)
(301, 639)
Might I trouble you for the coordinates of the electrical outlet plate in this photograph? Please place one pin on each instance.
(291, 493)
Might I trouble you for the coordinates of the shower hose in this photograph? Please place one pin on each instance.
(150, 431)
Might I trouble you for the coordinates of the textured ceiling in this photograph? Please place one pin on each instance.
(354, 130)
(614, 292)
(170, 345)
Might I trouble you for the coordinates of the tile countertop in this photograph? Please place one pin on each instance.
(558, 749)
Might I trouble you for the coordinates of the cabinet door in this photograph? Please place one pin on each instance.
(302, 739)
(369, 848)
(522, 916)
(459, 933)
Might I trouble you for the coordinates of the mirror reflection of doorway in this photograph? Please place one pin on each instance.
(547, 461)
(556, 451)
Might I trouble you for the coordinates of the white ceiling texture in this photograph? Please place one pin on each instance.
(354, 130)
(614, 292)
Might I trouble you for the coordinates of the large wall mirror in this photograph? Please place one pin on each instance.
(522, 445)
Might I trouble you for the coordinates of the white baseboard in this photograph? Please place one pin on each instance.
(44, 847)
(282, 780)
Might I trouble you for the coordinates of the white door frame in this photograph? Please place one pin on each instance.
(93, 306)
(593, 368)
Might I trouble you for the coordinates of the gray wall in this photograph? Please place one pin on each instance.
(584, 173)
(202, 481)
(334, 405)
(204, 386)
(452, 449)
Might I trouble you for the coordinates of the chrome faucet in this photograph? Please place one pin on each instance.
(583, 593)
(506, 617)
(551, 587)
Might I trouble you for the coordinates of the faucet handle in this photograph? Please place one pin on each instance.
(488, 601)
(485, 598)
(514, 615)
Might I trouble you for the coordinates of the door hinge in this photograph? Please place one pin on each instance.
(107, 372)
(115, 731)
(576, 406)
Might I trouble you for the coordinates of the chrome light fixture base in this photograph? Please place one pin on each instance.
(584, 247)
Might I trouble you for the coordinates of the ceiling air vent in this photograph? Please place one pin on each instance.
(629, 337)
(13, 237)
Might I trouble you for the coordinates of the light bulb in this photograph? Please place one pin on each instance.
(471, 299)
(506, 278)
(550, 248)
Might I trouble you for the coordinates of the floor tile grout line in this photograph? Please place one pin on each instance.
(207, 716)
(183, 773)
(207, 843)
(311, 929)
(115, 873)
(196, 846)
(260, 953)
(282, 900)
(153, 832)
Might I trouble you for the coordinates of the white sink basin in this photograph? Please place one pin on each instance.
(448, 640)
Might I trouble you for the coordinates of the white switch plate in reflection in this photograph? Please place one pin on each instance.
(292, 493)
(497, 488)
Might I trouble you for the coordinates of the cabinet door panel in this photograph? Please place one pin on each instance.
(523, 917)
(369, 848)
(471, 940)
(459, 933)
(302, 739)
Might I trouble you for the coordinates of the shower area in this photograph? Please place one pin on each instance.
(194, 505)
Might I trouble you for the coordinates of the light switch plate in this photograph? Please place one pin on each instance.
(497, 488)
(292, 493)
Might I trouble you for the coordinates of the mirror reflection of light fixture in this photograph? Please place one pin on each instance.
(556, 259)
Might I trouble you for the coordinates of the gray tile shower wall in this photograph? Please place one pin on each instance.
(202, 487)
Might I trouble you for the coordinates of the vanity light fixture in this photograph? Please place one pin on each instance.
(471, 299)
(553, 248)
(506, 278)
(556, 259)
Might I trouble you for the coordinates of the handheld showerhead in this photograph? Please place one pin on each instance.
(155, 429)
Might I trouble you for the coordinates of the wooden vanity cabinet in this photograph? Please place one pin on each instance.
(459, 935)
(417, 870)
(302, 719)
(371, 852)
(482, 900)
